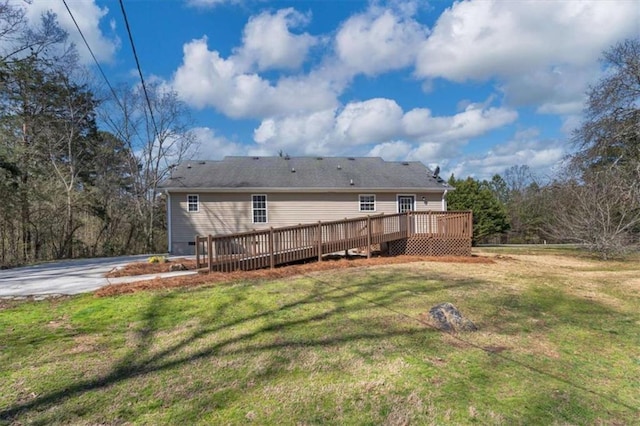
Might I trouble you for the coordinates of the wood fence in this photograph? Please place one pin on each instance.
(416, 233)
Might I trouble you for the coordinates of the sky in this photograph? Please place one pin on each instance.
(474, 87)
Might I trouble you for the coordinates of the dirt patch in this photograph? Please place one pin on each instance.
(282, 272)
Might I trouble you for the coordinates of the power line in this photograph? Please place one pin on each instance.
(135, 55)
(86, 43)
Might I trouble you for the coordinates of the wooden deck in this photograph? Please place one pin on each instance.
(418, 233)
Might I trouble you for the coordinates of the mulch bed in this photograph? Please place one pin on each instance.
(281, 272)
(143, 268)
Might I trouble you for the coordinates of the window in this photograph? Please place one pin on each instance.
(406, 203)
(193, 203)
(367, 203)
(259, 207)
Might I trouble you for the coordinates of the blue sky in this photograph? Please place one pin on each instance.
(475, 86)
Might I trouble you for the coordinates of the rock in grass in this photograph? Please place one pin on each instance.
(177, 267)
(448, 318)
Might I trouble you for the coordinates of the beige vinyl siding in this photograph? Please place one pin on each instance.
(224, 213)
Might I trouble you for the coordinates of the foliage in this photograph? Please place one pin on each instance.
(489, 215)
(529, 207)
(68, 188)
(336, 348)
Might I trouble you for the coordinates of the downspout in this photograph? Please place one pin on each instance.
(169, 228)
(444, 200)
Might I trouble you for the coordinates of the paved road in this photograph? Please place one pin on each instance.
(67, 277)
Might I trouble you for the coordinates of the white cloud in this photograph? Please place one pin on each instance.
(298, 134)
(210, 3)
(558, 90)
(474, 121)
(482, 39)
(542, 156)
(570, 123)
(375, 120)
(543, 53)
(268, 42)
(378, 41)
(88, 16)
(210, 146)
(391, 151)
(206, 79)
(381, 125)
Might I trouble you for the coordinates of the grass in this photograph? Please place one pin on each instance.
(557, 344)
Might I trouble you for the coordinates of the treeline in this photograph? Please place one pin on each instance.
(67, 188)
(595, 199)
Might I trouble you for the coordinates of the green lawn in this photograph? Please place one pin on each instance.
(558, 343)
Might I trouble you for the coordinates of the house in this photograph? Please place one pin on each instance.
(240, 194)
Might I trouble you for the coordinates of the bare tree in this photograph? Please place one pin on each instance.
(69, 130)
(19, 40)
(600, 206)
(602, 213)
(156, 139)
(610, 133)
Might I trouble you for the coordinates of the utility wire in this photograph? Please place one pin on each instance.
(104, 76)
(135, 55)
(86, 43)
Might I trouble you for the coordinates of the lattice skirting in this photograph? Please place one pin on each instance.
(430, 246)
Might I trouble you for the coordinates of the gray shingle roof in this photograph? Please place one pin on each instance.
(359, 173)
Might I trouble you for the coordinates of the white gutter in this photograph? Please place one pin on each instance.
(444, 200)
(169, 230)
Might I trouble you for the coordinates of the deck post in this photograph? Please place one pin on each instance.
(271, 249)
(408, 223)
(197, 252)
(368, 237)
(209, 252)
(319, 241)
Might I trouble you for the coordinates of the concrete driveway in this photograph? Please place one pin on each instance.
(67, 277)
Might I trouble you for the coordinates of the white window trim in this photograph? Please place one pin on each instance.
(197, 203)
(415, 198)
(375, 207)
(266, 208)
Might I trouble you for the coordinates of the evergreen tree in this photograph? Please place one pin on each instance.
(489, 215)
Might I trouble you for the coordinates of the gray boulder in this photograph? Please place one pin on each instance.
(448, 318)
(177, 267)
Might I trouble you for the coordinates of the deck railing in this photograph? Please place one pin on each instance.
(274, 246)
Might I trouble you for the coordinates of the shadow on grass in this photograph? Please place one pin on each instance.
(141, 361)
(336, 301)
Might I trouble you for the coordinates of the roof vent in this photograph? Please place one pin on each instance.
(286, 157)
(188, 166)
(256, 158)
(293, 170)
(405, 163)
(339, 167)
(202, 162)
(351, 182)
(318, 158)
(351, 158)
